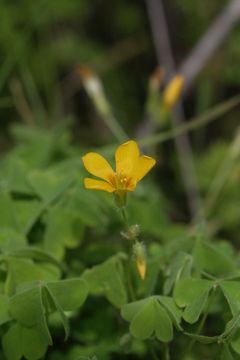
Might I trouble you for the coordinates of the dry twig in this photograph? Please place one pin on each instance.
(165, 58)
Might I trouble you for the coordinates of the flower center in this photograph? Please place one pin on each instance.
(120, 181)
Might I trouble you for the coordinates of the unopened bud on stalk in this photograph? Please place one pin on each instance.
(89, 79)
(94, 88)
(173, 91)
(140, 258)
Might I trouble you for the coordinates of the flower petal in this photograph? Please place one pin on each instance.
(143, 166)
(97, 165)
(94, 184)
(126, 157)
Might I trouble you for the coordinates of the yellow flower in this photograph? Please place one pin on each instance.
(131, 167)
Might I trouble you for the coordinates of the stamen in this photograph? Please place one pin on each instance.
(120, 181)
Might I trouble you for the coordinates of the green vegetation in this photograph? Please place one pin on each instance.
(69, 285)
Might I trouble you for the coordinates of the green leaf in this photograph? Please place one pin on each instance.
(22, 270)
(12, 344)
(226, 353)
(34, 343)
(48, 185)
(148, 317)
(189, 289)
(11, 240)
(143, 324)
(235, 342)
(209, 257)
(64, 229)
(107, 278)
(33, 301)
(231, 329)
(4, 315)
(163, 324)
(174, 312)
(193, 311)
(27, 308)
(26, 212)
(70, 293)
(35, 145)
(180, 267)
(35, 254)
(48, 297)
(192, 294)
(128, 311)
(7, 219)
(20, 341)
(18, 214)
(16, 175)
(231, 292)
(90, 208)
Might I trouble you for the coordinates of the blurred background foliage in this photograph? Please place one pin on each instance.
(47, 122)
(42, 41)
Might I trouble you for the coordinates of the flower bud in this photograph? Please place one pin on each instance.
(140, 258)
(94, 89)
(173, 91)
(90, 80)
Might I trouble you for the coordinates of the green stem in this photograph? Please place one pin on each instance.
(194, 123)
(103, 107)
(166, 353)
(153, 351)
(131, 291)
(124, 217)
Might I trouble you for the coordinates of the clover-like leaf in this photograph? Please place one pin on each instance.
(26, 212)
(107, 278)
(34, 300)
(148, 317)
(48, 185)
(174, 312)
(70, 293)
(20, 341)
(211, 258)
(28, 309)
(35, 253)
(55, 306)
(64, 229)
(231, 291)
(179, 267)
(23, 270)
(192, 294)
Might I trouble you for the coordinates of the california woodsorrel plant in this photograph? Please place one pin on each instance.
(148, 266)
(86, 274)
(131, 167)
